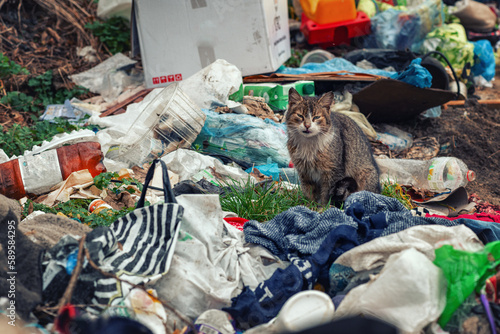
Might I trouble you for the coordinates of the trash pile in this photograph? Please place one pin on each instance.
(166, 145)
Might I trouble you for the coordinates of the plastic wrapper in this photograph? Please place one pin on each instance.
(404, 29)
(465, 272)
(484, 60)
(244, 138)
(450, 40)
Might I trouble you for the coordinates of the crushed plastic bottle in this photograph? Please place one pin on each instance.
(37, 173)
(441, 174)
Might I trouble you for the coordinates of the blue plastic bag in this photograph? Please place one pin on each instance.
(484, 59)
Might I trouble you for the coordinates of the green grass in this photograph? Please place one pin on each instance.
(264, 200)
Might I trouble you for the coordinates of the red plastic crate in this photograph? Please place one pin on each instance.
(335, 33)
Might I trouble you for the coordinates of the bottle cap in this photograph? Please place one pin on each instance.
(471, 175)
(308, 89)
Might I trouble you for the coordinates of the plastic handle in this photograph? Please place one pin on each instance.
(168, 194)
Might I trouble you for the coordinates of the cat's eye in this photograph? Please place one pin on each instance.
(300, 116)
(316, 118)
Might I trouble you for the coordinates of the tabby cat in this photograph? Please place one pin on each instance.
(330, 152)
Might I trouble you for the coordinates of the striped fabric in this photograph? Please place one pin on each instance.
(137, 248)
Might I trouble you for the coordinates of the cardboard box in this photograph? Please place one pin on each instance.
(179, 38)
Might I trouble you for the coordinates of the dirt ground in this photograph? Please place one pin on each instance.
(472, 134)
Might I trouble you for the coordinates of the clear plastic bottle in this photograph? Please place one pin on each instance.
(441, 174)
(37, 173)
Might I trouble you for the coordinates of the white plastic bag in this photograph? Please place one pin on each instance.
(188, 164)
(424, 238)
(213, 84)
(211, 264)
(409, 292)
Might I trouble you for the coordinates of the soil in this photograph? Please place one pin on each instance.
(46, 37)
(472, 134)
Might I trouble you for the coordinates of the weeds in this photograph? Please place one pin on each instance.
(114, 33)
(8, 67)
(296, 58)
(18, 139)
(45, 94)
(77, 209)
(113, 182)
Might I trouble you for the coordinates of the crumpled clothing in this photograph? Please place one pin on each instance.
(317, 239)
(300, 231)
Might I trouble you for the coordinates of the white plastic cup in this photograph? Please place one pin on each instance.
(304, 310)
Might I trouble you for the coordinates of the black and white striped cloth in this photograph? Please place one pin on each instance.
(138, 248)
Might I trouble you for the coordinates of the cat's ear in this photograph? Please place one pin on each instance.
(294, 96)
(326, 100)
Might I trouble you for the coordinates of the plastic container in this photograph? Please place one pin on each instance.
(316, 56)
(215, 321)
(442, 174)
(303, 310)
(335, 33)
(99, 205)
(275, 95)
(37, 173)
(329, 11)
(171, 120)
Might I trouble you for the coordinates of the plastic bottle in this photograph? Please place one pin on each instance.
(37, 173)
(442, 174)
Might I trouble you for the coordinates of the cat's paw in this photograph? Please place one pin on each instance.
(342, 189)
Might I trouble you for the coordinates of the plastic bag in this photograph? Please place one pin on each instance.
(189, 164)
(211, 264)
(484, 60)
(409, 292)
(108, 78)
(465, 272)
(450, 40)
(212, 85)
(404, 29)
(109, 8)
(244, 138)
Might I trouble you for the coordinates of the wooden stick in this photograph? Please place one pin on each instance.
(66, 298)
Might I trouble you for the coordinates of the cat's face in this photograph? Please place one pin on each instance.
(308, 116)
